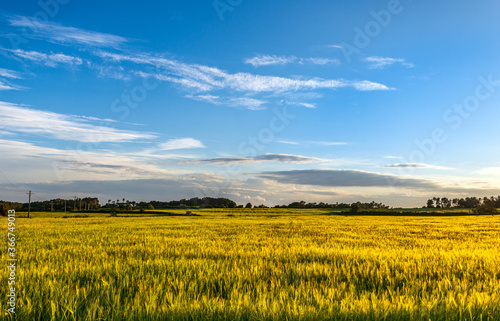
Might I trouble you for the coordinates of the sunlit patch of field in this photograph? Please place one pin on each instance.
(268, 265)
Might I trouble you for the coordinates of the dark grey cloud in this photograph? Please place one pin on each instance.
(414, 165)
(92, 165)
(281, 158)
(346, 178)
(405, 166)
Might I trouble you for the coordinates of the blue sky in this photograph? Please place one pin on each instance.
(267, 102)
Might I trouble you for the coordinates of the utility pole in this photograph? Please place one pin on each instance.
(51, 206)
(80, 204)
(29, 202)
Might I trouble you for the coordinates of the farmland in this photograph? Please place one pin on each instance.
(256, 265)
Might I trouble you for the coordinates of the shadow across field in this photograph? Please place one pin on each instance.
(172, 214)
(402, 213)
(134, 214)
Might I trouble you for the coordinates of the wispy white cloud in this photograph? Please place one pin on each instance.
(19, 119)
(257, 83)
(270, 60)
(113, 72)
(186, 83)
(245, 102)
(50, 60)
(6, 73)
(322, 61)
(58, 33)
(266, 60)
(204, 78)
(202, 82)
(381, 62)
(181, 143)
(287, 142)
(6, 86)
(206, 98)
(366, 85)
(10, 74)
(301, 104)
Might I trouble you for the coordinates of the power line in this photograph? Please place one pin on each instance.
(8, 181)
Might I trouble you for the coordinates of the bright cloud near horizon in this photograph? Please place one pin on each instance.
(391, 101)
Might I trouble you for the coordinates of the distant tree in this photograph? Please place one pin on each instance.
(445, 202)
(485, 209)
(473, 202)
(4, 209)
(150, 207)
(430, 204)
(129, 207)
(355, 207)
(300, 204)
(249, 205)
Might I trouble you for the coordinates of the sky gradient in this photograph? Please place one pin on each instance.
(262, 102)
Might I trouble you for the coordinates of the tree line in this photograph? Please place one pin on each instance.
(205, 202)
(58, 204)
(480, 205)
(92, 204)
(364, 206)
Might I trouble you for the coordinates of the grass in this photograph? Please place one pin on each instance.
(256, 265)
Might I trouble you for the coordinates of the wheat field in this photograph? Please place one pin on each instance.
(264, 265)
